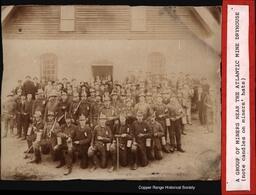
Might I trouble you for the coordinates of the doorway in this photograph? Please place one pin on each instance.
(102, 72)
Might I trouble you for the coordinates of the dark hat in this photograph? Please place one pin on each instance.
(64, 92)
(50, 113)
(106, 98)
(10, 94)
(82, 117)
(68, 116)
(139, 113)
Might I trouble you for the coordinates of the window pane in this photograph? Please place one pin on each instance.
(67, 25)
(138, 19)
(67, 12)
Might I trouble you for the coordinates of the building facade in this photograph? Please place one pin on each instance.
(83, 42)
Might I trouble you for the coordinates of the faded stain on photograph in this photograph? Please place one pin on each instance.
(110, 92)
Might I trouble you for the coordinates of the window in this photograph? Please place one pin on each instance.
(138, 19)
(48, 67)
(67, 18)
(156, 63)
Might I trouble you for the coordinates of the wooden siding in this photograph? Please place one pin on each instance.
(99, 22)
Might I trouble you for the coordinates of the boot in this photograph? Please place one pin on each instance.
(68, 171)
(60, 165)
(93, 168)
(134, 166)
(180, 149)
(111, 169)
(165, 149)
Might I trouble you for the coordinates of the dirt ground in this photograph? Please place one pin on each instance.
(201, 161)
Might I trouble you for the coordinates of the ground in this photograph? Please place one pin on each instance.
(201, 161)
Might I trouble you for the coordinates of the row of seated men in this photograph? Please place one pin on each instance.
(109, 144)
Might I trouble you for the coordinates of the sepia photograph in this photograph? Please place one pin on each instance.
(111, 92)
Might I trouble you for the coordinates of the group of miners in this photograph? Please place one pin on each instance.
(105, 123)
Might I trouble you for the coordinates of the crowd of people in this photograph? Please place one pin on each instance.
(105, 123)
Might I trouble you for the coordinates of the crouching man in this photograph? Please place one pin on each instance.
(34, 136)
(64, 148)
(101, 139)
(158, 138)
(49, 138)
(143, 140)
(122, 142)
(82, 141)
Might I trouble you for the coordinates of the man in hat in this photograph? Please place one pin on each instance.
(123, 132)
(101, 139)
(39, 103)
(91, 98)
(19, 87)
(29, 87)
(143, 107)
(143, 138)
(36, 83)
(128, 110)
(96, 108)
(158, 138)
(74, 107)
(187, 94)
(63, 108)
(149, 99)
(82, 141)
(65, 148)
(85, 107)
(115, 102)
(109, 111)
(49, 138)
(18, 112)
(52, 104)
(161, 116)
(175, 114)
(9, 114)
(45, 140)
(34, 135)
(26, 113)
(48, 88)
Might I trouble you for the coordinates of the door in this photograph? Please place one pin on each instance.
(102, 72)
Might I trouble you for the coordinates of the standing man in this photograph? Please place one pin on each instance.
(63, 108)
(175, 114)
(29, 87)
(85, 107)
(39, 103)
(9, 114)
(143, 107)
(26, 114)
(187, 94)
(74, 107)
(52, 104)
(161, 116)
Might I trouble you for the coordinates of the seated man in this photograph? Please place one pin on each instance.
(82, 141)
(143, 139)
(121, 131)
(65, 148)
(101, 139)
